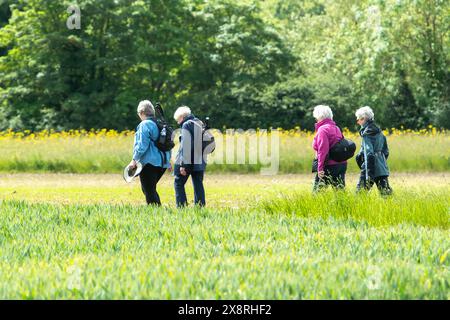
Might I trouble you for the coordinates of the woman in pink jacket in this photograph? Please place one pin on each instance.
(329, 172)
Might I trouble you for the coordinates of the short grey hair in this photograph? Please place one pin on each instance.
(182, 111)
(322, 112)
(365, 113)
(146, 107)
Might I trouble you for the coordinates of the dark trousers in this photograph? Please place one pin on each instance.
(334, 176)
(199, 190)
(150, 177)
(381, 182)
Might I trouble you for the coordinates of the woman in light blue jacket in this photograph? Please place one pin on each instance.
(154, 161)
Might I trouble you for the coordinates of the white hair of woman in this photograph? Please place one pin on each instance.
(322, 112)
(147, 108)
(365, 113)
(181, 113)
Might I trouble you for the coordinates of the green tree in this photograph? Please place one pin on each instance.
(212, 55)
(233, 57)
(388, 53)
(243, 63)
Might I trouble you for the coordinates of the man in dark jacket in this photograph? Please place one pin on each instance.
(190, 160)
(372, 159)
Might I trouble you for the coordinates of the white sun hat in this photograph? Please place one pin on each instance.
(129, 174)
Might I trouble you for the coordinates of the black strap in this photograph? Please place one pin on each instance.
(160, 110)
(156, 123)
(162, 154)
(165, 158)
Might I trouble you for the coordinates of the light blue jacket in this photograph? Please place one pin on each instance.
(145, 150)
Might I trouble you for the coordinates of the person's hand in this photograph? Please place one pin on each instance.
(359, 160)
(170, 169)
(183, 171)
(133, 164)
(321, 174)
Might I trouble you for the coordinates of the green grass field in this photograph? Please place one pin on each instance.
(91, 236)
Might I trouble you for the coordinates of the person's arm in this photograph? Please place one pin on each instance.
(142, 141)
(385, 148)
(360, 158)
(187, 145)
(183, 152)
(181, 149)
(323, 148)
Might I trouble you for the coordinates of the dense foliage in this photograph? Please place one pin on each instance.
(243, 63)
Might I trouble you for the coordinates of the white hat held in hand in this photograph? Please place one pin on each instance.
(129, 174)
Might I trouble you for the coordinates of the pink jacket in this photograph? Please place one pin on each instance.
(327, 135)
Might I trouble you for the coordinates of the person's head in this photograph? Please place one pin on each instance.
(322, 112)
(145, 110)
(181, 114)
(363, 115)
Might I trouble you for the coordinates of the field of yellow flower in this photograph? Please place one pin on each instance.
(108, 151)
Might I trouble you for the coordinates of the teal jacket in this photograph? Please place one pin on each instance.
(372, 158)
(145, 150)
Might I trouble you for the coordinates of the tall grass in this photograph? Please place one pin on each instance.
(431, 209)
(109, 152)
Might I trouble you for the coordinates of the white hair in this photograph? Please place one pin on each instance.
(146, 107)
(365, 113)
(182, 112)
(322, 112)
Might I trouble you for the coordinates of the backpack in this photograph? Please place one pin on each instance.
(208, 142)
(343, 150)
(165, 140)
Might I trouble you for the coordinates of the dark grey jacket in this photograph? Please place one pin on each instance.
(190, 154)
(372, 159)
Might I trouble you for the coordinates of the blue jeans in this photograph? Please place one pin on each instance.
(199, 190)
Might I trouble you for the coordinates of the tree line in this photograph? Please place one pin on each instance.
(245, 64)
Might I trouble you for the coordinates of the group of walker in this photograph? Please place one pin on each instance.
(153, 162)
(371, 159)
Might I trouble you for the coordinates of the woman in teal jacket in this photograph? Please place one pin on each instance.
(372, 159)
(154, 161)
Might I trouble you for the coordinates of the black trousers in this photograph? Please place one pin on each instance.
(334, 176)
(150, 177)
(381, 182)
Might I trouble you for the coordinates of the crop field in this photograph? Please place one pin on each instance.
(90, 236)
